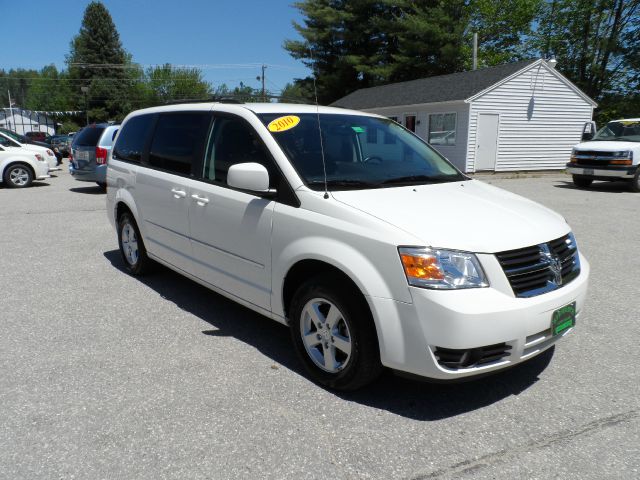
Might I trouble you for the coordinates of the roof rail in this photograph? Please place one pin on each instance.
(204, 100)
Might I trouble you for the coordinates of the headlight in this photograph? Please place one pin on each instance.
(39, 157)
(441, 269)
(49, 152)
(623, 154)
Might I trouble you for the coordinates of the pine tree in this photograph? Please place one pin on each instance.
(98, 61)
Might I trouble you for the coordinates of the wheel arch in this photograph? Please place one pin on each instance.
(13, 161)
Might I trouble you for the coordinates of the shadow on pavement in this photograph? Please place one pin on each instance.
(35, 184)
(611, 187)
(94, 190)
(408, 398)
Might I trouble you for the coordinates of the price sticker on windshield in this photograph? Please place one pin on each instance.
(282, 124)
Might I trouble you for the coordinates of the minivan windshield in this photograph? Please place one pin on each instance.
(360, 152)
(621, 130)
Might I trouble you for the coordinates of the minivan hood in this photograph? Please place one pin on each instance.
(468, 215)
(606, 146)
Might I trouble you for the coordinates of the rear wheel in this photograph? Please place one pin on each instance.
(334, 334)
(18, 175)
(131, 245)
(582, 181)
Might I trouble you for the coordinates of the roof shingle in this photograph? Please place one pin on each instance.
(442, 88)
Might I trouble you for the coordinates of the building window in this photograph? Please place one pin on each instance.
(372, 135)
(410, 122)
(442, 129)
(390, 139)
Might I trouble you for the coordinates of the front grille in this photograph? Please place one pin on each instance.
(471, 357)
(594, 159)
(541, 268)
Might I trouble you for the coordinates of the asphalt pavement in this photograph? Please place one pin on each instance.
(106, 376)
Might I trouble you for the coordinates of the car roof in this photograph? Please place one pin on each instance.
(257, 108)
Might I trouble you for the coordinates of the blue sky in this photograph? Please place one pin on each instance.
(206, 34)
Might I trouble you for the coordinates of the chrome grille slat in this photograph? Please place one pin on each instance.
(530, 270)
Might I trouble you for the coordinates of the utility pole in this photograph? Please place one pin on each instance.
(11, 110)
(264, 97)
(475, 51)
(85, 90)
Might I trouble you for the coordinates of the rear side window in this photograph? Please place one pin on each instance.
(132, 138)
(178, 141)
(108, 137)
(88, 137)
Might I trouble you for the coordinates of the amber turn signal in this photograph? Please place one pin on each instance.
(425, 268)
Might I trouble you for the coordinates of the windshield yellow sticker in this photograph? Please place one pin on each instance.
(282, 124)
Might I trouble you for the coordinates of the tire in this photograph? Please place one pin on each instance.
(635, 182)
(334, 334)
(582, 181)
(18, 175)
(132, 249)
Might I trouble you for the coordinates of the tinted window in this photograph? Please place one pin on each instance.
(177, 141)
(233, 141)
(88, 137)
(131, 140)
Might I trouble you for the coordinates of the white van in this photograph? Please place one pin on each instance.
(345, 226)
(612, 153)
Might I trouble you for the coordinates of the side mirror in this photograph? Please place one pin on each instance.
(588, 131)
(252, 177)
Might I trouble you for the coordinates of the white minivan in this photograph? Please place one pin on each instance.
(350, 229)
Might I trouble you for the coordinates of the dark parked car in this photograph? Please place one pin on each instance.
(37, 136)
(60, 142)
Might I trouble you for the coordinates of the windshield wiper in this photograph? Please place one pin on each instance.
(420, 179)
(344, 183)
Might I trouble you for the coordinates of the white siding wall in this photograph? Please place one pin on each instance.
(22, 124)
(541, 118)
(455, 153)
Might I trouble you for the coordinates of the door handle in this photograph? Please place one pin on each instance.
(200, 200)
(178, 193)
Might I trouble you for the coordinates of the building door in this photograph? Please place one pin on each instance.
(487, 141)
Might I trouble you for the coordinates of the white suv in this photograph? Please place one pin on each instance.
(351, 230)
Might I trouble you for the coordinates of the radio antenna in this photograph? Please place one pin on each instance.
(324, 165)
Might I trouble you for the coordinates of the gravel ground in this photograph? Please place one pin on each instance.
(108, 376)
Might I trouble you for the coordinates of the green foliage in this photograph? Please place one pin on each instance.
(429, 39)
(503, 29)
(165, 84)
(298, 92)
(69, 126)
(597, 43)
(241, 93)
(98, 61)
(362, 43)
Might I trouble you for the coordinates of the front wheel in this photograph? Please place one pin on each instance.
(635, 182)
(18, 175)
(131, 245)
(582, 181)
(334, 334)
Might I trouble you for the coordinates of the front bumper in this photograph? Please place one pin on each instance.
(603, 171)
(410, 334)
(41, 170)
